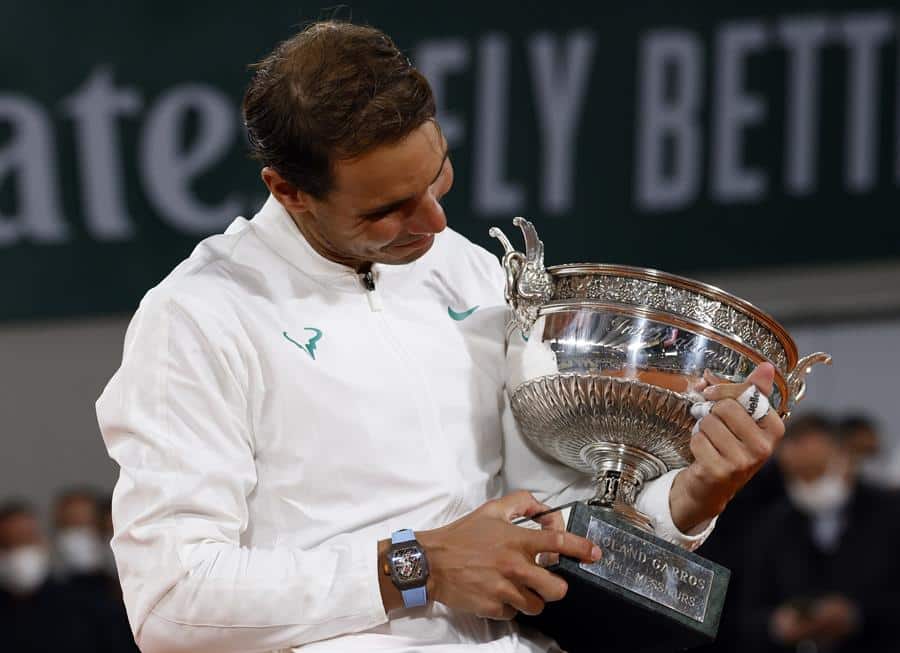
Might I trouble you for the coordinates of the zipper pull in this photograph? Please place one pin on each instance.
(368, 280)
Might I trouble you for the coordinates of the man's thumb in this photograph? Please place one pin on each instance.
(763, 377)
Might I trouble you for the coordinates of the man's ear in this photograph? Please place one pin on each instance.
(292, 199)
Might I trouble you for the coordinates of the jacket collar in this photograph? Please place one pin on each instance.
(276, 228)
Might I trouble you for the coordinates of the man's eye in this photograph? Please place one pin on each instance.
(378, 215)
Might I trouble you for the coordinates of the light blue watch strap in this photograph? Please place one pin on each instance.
(403, 535)
(417, 596)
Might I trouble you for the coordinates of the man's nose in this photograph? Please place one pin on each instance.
(429, 218)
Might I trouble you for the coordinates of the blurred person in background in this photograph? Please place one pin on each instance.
(37, 612)
(82, 558)
(79, 547)
(823, 574)
(865, 445)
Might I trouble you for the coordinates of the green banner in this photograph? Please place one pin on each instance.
(683, 137)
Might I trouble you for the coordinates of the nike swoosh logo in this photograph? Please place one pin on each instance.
(460, 316)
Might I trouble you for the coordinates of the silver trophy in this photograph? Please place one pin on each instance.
(603, 362)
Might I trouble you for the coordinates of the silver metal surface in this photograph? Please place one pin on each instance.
(604, 362)
(644, 568)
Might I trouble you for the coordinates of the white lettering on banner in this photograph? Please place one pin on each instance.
(668, 119)
(167, 171)
(803, 37)
(437, 59)
(560, 85)
(864, 34)
(688, 140)
(735, 109)
(94, 108)
(668, 136)
(492, 194)
(30, 158)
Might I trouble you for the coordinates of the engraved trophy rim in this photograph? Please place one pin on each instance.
(692, 285)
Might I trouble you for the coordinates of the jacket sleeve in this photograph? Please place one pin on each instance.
(176, 419)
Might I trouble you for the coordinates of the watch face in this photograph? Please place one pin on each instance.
(408, 564)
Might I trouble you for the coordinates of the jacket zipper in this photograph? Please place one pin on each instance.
(368, 282)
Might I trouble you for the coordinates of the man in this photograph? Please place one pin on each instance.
(76, 522)
(825, 574)
(327, 378)
(863, 442)
(81, 559)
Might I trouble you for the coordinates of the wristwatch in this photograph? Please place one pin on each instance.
(408, 568)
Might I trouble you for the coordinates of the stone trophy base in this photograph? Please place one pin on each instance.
(645, 595)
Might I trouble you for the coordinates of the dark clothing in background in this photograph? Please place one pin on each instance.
(787, 565)
(730, 544)
(74, 617)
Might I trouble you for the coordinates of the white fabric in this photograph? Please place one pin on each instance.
(261, 463)
(703, 408)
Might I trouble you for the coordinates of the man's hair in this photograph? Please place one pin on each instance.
(16, 507)
(75, 493)
(809, 423)
(331, 92)
(851, 423)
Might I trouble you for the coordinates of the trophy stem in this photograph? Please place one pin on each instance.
(621, 471)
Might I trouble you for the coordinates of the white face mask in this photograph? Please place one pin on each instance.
(80, 550)
(24, 569)
(827, 493)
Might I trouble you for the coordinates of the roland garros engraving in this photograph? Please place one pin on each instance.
(649, 570)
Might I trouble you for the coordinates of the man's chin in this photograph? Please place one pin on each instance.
(402, 254)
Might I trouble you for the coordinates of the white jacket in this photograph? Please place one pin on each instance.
(273, 420)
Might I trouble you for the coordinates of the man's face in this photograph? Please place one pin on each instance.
(20, 530)
(77, 512)
(862, 443)
(385, 204)
(807, 456)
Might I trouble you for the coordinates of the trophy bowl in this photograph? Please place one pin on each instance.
(604, 364)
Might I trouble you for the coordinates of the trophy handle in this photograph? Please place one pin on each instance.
(796, 380)
(528, 286)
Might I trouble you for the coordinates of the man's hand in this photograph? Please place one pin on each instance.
(833, 618)
(788, 625)
(485, 565)
(728, 450)
(827, 621)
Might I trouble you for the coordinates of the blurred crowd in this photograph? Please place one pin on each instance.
(812, 544)
(59, 591)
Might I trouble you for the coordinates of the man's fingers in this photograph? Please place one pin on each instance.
(552, 521)
(733, 452)
(567, 544)
(518, 504)
(763, 377)
(545, 584)
(758, 442)
(773, 425)
(521, 598)
(705, 453)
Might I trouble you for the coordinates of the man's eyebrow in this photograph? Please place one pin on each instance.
(387, 208)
